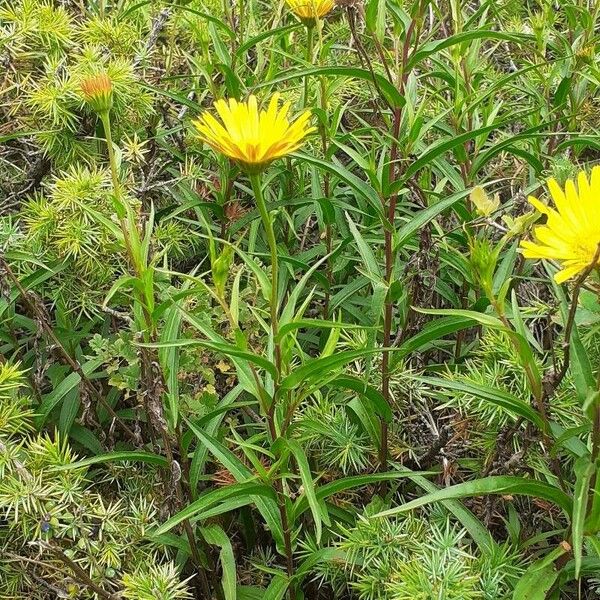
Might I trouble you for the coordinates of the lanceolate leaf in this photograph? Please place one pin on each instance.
(242, 473)
(389, 90)
(319, 513)
(125, 455)
(213, 534)
(373, 395)
(495, 396)
(584, 471)
(501, 484)
(212, 498)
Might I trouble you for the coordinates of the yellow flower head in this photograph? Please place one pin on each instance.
(308, 11)
(571, 234)
(97, 92)
(252, 137)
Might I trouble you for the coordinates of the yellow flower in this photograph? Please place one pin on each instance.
(308, 11)
(97, 92)
(571, 234)
(251, 137)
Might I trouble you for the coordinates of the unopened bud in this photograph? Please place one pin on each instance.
(97, 91)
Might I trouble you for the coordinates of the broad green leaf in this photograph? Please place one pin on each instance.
(539, 578)
(277, 588)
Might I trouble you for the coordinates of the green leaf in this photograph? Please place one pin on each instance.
(367, 418)
(371, 394)
(169, 361)
(214, 497)
(525, 353)
(501, 484)
(584, 471)
(433, 331)
(69, 383)
(213, 534)
(390, 93)
(86, 438)
(317, 324)
(268, 508)
(223, 347)
(357, 184)
(495, 396)
(477, 530)
(539, 578)
(581, 367)
(422, 217)
(277, 588)
(364, 250)
(430, 48)
(348, 483)
(254, 40)
(441, 147)
(120, 456)
(319, 515)
(211, 427)
(319, 367)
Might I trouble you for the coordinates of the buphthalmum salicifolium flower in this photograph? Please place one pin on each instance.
(252, 137)
(308, 11)
(571, 234)
(97, 91)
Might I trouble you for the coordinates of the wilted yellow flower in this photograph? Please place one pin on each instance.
(97, 92)
(308, 11)
(483, 203)
(252, 137)
(571, 234)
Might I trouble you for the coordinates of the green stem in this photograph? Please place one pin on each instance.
(310, 38)
(105, 118)
(326, 187)
(255, 180)
(241, 10)
(129, 229)
(119, 202)
(268, 225)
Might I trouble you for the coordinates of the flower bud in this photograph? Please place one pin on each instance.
(220, 270)
(97, 91)
(483, 259)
